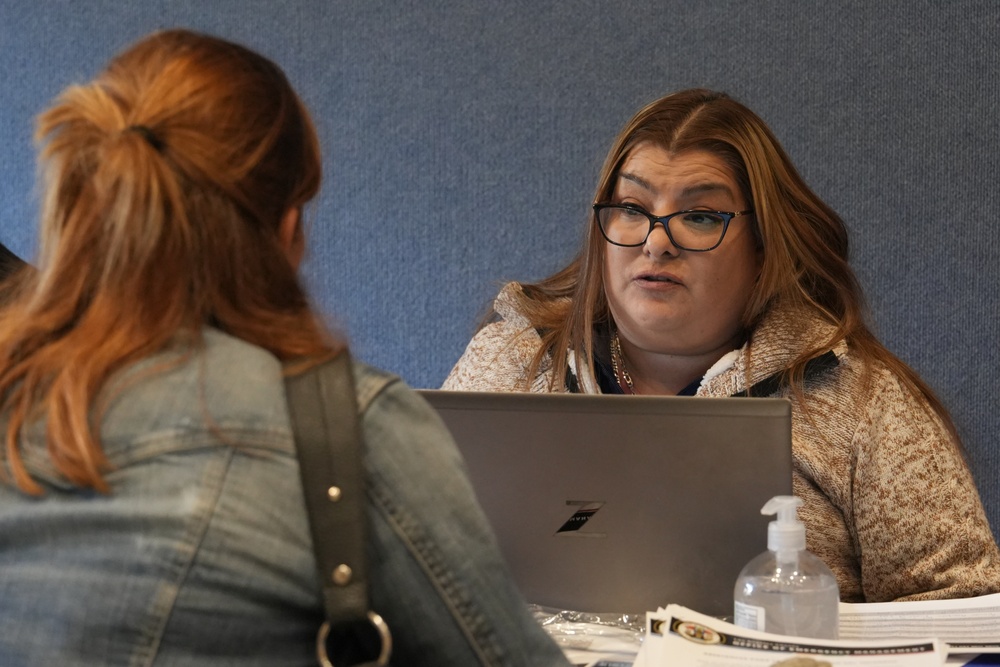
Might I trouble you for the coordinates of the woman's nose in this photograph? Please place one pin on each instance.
(658, 242)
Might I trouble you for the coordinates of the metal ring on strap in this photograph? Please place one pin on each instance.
(384, 635)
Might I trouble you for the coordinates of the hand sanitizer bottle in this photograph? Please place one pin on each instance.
(786, 590)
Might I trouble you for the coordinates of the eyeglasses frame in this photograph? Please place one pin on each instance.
(727, 217)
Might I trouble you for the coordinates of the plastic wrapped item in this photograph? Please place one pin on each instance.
(594, 640)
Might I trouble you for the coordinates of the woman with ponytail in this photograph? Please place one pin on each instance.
(150, 504)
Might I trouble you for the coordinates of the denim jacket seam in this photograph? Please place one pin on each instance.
(166, 597)
(173, 441)
(369, 386)
(476, 630)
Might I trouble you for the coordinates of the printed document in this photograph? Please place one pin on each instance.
(970, 625)
(679, 636)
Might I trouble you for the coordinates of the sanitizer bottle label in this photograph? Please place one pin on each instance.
(748, 616)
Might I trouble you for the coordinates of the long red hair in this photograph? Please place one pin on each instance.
(164, 182)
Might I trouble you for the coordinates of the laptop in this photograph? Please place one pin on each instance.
(605, 503)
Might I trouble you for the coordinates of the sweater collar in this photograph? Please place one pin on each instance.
(756, 368)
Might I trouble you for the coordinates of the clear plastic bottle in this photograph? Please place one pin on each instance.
(786, 590)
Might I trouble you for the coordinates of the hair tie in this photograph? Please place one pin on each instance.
(148, 135)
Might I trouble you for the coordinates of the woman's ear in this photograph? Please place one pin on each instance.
(291, 236)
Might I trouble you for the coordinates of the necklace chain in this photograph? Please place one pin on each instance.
(618, 365)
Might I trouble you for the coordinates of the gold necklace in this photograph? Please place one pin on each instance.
(622, 377)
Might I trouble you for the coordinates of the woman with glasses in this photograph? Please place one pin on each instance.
(711, 269)
(151, 506)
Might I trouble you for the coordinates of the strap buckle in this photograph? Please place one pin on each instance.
(385, 641)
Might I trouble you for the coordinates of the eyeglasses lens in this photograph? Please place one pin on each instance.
(691, 230)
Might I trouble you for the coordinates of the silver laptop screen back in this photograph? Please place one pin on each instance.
(623, 504)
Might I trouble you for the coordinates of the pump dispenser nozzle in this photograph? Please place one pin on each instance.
(787, 534)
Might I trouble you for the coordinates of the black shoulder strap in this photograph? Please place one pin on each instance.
(324, 415)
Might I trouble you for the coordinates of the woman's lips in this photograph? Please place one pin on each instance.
(653, 279)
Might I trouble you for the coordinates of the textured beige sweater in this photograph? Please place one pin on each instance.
(889, 503)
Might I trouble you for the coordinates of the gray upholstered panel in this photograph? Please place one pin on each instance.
(463, 140)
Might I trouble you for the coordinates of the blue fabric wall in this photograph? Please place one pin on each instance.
(463, 141)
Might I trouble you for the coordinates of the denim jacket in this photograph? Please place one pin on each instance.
(201, 555)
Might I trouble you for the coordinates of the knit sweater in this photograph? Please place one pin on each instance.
(888, 501)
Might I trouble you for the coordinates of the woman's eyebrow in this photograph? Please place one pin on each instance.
(703, 188)
(690, 191)
(638, 180)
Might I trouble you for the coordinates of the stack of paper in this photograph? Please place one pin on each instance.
(679, 636)
(882, 634)
(970, 625)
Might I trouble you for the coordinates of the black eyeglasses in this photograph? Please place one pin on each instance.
(698, 231)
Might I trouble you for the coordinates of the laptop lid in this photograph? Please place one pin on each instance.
(608, 503)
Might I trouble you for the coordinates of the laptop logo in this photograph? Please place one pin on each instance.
(585, 509)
